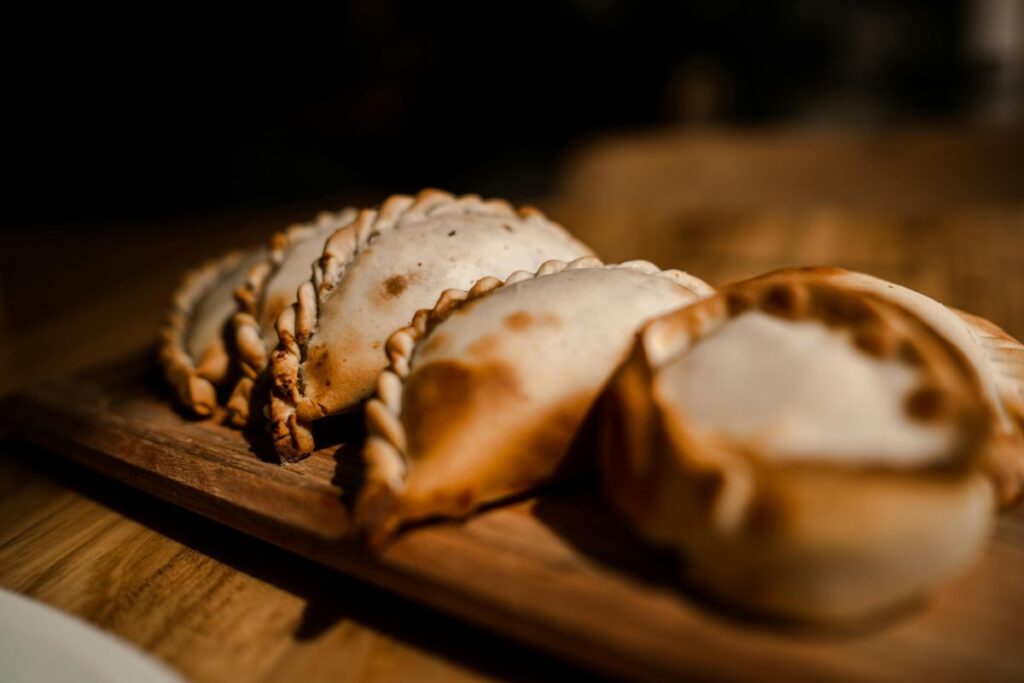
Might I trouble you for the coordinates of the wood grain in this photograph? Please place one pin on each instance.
(557, 571)
(215, 604)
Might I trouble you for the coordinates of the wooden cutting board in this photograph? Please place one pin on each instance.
(558, 571)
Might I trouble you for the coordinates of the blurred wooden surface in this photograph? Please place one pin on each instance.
(942, 211)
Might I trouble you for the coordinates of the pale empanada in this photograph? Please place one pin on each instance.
(268, 289)
(374, 275)
(810, 450)
(997, 357)
(486, 391)
(195, 351)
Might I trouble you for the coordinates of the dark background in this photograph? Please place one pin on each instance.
(116, 114)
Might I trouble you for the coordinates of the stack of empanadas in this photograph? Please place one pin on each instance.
(297, 329)
(814, 443)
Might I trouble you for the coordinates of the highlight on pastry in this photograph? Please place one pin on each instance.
(486, 391)
(375, 273)
(809, 449)
(268, 289)
(195, 351)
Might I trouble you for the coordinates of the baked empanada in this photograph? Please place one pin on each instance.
(997, 357)
(195, 351)
(268, 289)
(374, 275)
(487, 390)
(811, 450)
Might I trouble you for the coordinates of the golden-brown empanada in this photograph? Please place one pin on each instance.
(374, 275)
(268, 289)
(487, 390)
(810, 450)
(195, 351)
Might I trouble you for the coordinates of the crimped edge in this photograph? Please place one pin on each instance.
(996, 357)
(733, 494)
(291, 411)
(194, 391)
(385, 450)
(253, 352)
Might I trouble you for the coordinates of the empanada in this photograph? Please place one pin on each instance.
(811, 450)
(195, 351)
(374, 275)
(487, 390)
(268, 289)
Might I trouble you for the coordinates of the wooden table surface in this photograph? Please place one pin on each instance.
(939, 210)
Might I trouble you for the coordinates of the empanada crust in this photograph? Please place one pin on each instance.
(811, 539)
(373, 276)
(996, 357)
(486, 391)
(268, 289)
(195, 351)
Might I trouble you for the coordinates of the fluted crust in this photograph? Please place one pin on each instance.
(810, 540)
(269, 286)
(996, 357)
(197, 368)
(326, 360)
(394, 446)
